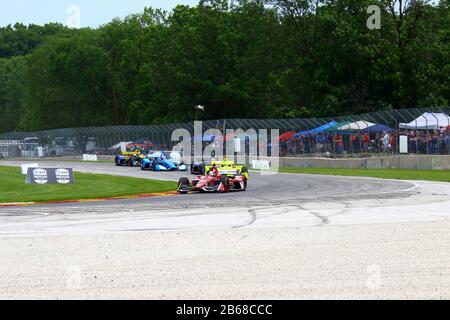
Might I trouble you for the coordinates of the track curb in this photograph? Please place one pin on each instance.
(138, 196)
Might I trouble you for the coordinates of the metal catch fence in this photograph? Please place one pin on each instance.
(426, 130)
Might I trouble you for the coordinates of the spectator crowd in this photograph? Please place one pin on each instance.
(431, 142)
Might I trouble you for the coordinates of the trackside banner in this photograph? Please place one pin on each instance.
(50, 176)
(90, 157)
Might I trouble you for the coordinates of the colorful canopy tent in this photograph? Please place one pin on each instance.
(332, 126)
(378, 128)
(320, 129)
(286, 136)
(428, 121)
(358, 125)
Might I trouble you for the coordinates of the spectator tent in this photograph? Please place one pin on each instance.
(286, 136)
(428, 121)
(332, 126)
(378, 128)
(320, 129)
(324, 128)
(358, 125)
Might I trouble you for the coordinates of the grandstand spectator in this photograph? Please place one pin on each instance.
(385, 141)
(301, 145)
(354, 143)
(339, 142)
(412, 146)
(366, 141)
(393, 143)
(319, 144)
(446, 143)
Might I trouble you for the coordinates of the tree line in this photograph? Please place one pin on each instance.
(241, 59)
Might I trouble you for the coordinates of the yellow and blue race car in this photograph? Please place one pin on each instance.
(129, 158)
(225, 166)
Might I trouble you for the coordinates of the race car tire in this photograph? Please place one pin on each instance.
(237, 185)
(183, 182)
(135, 162)
(154, 164)
(201, 169)
(224, 181)
(194, 169)
(116, 160)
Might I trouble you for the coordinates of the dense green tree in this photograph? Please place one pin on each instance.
(11, 92)
(19, 40)
(65, 84)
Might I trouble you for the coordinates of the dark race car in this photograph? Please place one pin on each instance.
(198, 167)
(131, 159)
(214, 181)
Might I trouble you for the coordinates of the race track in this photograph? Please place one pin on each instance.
(288, 236)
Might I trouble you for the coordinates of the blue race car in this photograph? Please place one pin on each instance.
(160, 162)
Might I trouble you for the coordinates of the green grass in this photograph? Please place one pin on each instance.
(426, 175)
(60, 160)
(87, 186)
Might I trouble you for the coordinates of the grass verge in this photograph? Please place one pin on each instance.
(87, 186)
(398, 174)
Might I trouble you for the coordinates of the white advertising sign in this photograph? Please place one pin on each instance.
(261, 164)
(44, 176)
(89, 157)
(26, 166)
(403, 144)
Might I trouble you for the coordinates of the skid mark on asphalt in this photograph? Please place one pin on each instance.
(324, 219)
(252, 213)
(323, 210)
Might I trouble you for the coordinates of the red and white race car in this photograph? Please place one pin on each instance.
(214, 181)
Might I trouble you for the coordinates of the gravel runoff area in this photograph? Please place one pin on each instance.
(289, 236)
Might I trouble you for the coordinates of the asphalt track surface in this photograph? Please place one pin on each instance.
(288, 236)
(274, 195)
(277, 189)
